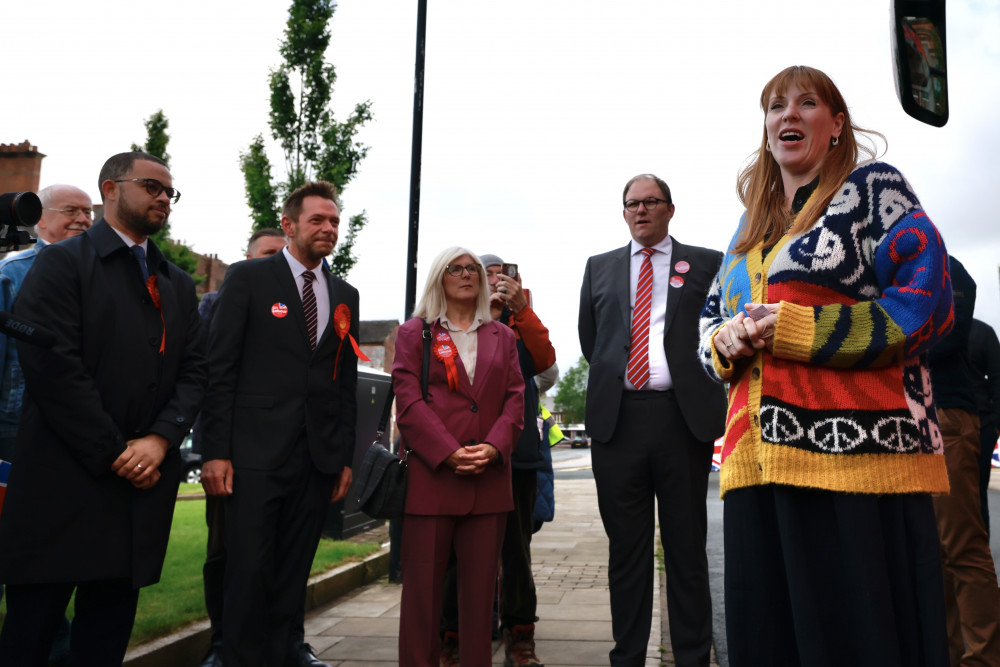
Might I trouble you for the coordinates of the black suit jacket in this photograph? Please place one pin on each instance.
(266, 386)
(605, 325)
(67, 516)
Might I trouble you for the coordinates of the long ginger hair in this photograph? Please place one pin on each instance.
(759, 185)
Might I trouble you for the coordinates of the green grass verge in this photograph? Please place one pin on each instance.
(178, 600)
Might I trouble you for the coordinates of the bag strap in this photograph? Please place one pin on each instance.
(424, 380)
(426, 370)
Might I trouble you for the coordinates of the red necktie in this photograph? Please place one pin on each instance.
(309, 306)
(638, 358)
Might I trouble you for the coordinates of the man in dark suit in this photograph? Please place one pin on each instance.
(279, 423)
(652, 414)
(91, 497)
(263, 243)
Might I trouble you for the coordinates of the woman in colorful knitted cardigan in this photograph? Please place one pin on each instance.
(832, 446)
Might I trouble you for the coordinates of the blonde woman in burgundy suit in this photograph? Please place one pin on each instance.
(460, 438)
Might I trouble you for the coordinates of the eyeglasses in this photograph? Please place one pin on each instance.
(153, 187)
(456, 269)
(650, 204)
(73, 211)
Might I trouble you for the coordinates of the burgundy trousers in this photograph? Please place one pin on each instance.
(427, 544)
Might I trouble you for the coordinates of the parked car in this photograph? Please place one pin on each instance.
(190, 462)
(576, 435)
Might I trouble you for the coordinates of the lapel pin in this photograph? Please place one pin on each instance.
(279, 310)
(676, 281)
(682, 267)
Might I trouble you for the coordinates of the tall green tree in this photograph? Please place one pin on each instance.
(315, 145)
(157, 140)
(571, 393)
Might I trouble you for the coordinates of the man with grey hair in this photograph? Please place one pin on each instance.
(66, 212)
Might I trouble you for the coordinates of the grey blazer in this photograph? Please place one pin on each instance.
(604, 326)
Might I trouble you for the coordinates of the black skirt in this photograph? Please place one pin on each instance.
(816, 578)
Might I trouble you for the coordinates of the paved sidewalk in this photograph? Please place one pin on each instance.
(570, 563)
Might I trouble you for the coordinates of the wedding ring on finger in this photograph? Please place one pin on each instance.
(139, 466)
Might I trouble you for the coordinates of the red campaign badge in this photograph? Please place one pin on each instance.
(682, 267)
(445, 351)
(342, 327)
(279, 310)
(676, 281)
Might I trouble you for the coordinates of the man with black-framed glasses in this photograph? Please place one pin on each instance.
(90, 501)
(652, 414)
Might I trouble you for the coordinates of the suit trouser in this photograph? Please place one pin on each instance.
(214, 572)
(104, 615)
(518, 600)
(971, 594)
(653, 455)
(427, 544)
(273, 523)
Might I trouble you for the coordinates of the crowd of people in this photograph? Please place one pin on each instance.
(831, 347)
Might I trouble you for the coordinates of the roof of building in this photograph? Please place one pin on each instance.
(375, 331)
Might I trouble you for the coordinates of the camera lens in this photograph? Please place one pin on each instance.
(22, 209)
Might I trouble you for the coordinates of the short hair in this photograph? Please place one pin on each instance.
(664, 188)
(118, 166)
(293, 205)
(433, 304)
(261, 233)
(45, 195)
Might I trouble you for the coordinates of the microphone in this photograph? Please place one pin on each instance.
(26, 331)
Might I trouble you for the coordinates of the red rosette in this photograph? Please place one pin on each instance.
(446, 352)
(342, 327)
(154, 294)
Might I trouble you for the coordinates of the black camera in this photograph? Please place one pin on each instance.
(17, 210)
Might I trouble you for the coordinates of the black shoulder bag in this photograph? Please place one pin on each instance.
(381, 477)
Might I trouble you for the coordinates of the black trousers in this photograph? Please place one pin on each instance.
(653, 455)
(214, 572)
(102, 625)
(273, 523)
(822, 579)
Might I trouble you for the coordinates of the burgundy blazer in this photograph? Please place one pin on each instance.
(490, 411)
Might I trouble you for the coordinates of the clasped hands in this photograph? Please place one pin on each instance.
(140, 462)
(742, 336)
(471, 459)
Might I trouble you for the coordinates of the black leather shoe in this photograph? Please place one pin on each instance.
(305, 657)
(214, 658)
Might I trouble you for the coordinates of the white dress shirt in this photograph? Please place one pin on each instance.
(659, 373)
(320, 290)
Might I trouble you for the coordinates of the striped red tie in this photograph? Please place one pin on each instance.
(638, 358)
(309, 306)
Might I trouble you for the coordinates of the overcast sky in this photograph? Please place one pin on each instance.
(535, 114)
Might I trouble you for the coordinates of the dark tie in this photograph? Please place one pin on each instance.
(140, 256)
(309, 306)
(638, 359)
